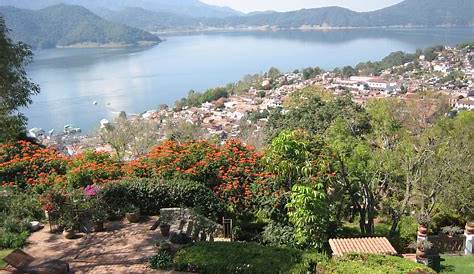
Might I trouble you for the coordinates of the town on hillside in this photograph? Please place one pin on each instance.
(446, 70)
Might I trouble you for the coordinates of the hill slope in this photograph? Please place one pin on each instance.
(64, 25)
(426, 13)
(407, 13)
(191, 8)
(149, 20)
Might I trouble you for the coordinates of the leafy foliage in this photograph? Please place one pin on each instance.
(16, 88)
(163, 260)
(17, 209)
(373, 264)
(252, 259)
(151, 195)
(229, 170)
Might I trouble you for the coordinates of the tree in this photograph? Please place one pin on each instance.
(132, 138)
(301, 164)
(313, 110)
(183, 131)
(15, 87)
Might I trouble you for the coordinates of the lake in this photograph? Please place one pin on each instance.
(136, 80)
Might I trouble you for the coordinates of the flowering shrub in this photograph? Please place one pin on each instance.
(72, 208)
(151, 195)
(229, 170)
(24, 163)
(93, 168)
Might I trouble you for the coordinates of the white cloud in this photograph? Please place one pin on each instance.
(285, 5)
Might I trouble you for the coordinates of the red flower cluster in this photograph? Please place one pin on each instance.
(24, 163)
(229, 169)
(93, 168)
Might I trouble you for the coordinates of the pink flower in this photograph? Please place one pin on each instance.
(91, 190)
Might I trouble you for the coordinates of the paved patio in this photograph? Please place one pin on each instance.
(122, 248)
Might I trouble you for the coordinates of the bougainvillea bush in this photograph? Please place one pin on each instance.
(24, 163)
(229, 170)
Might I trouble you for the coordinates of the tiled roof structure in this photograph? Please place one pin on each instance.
(375, 245)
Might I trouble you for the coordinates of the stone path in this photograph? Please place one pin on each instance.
(123, 248)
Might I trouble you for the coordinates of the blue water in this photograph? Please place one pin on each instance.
(135, 80)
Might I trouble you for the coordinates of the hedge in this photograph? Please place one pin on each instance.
(151, 195)
(372, 264)
(244, 258)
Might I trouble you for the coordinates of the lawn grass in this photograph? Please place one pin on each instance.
(457, 264)
(3, 254)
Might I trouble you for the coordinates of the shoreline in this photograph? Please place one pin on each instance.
(87, 45)
(304, 28)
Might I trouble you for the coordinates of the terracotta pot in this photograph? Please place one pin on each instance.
(420, 254)
(69, 234)
(422, 230)
(133, 217)
(165, 230)
(98, 227)
(470, 228)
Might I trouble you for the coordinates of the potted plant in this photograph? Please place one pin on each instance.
(422, 248)
(96, 207)
(165, 229)
(68, 221)
(451, 231)
(99, 216)
(470, 228)
(423, 220)
(133, 214)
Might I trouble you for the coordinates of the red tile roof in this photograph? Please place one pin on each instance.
(375, 245)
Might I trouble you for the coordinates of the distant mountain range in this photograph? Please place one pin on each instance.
(406, 13)
(424, 13)
(120, 21)
(66, 25)
(190, 8)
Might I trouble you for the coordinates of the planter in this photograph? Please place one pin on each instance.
(133, 217)
(470, 228)
(165, 230)
(98, 226)
(422, 231)
(69, 234)
(420, 254)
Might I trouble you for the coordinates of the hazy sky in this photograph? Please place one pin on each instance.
(285, 5)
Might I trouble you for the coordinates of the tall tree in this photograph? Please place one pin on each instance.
(16, 88)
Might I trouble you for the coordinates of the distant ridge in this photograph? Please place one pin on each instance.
(66, 25)
(190, 8)
(410, 13)
(425, 13)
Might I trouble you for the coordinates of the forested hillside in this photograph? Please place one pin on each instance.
(191, 8)
(65, 25)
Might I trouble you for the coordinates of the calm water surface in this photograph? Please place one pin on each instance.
(136, 80)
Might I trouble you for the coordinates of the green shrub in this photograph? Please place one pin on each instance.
(12, 239)
(372, 264)
(17, 209)
(151, 195)
(245, 258)
(278, 235)
(180, 238)
(407, 229)
(162, 260)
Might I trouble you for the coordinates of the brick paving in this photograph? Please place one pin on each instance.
(122, 248)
